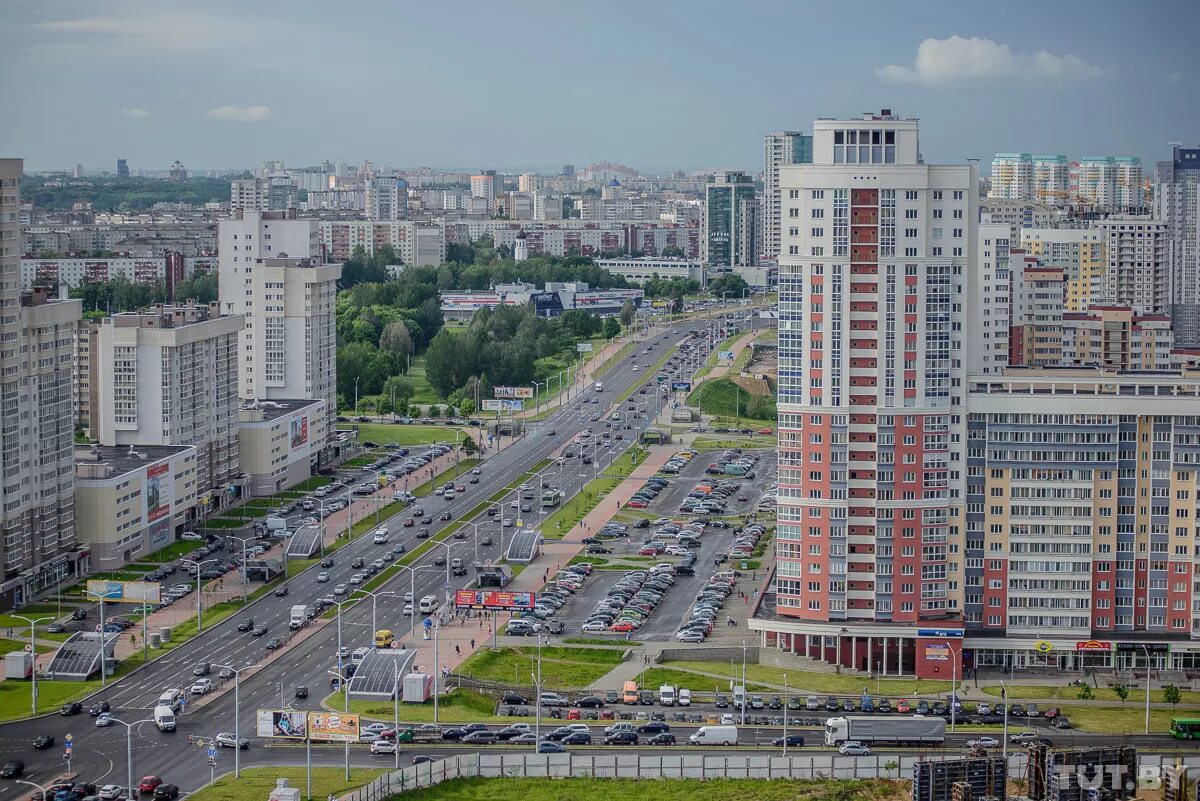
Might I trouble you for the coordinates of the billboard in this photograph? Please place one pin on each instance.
(725, 355)
(124, 592)
(298, 432)
(158, 491)
(493, 599)
(512, 392)
(937, 651)
(490, 405)
(282, 724)
(338, 727)
(681, 386)
(584, 347)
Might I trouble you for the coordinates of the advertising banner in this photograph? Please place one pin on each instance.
(513, 392)
(584, 347)
(681, 386)
(337, 727)
(725, 355)
(158, 491)
(1093, 645)
(497, 405)
(937, 651)
(490, 405)
(281, 724)
(493, 599)
(124, 592)
(298, 432)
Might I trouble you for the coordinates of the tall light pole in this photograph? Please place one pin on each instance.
(1147, 652)
(199, 565)
(237, 716)
(743, 682)
(537, 726)
(33, 651)
(345, 708)
(131, 789)
(396, 709)
(243, 541)
(1004, 735)
(355, 407)
(103, 635)
(785, 711)
(374, 596)
(339, 605)
(375, 495)
(412, 591)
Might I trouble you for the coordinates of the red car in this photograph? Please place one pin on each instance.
(149, 783)
(624, 625)
(409, 522)
(1052, 712)
(648, 552)
(636, 504)
(766, 431)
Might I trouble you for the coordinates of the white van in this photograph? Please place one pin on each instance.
(448, 494)
(381, 536)
(429, 603)
(172, 698)
(715, 735)
(685, 696)
(275, 523)
(666, 695)
(359, 654)
(164, 718)
(739, 696)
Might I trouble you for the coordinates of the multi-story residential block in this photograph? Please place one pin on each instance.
(987, 341)
(1111, 182)
(639, 270)
(37, 421)
(566, 237)
(1035, 327)
(547, 206)
(130, 501)
(272, 271)
(1012, 176)
(385, 198)
(170, 269)
(169, 376)
(1016, 214)
(484, 186)
(730, 233)
(418, 244)
(280, 442)
(529, 182)
(1137, 267)
(872, 288)
(1115, 338)
(87, 407)
(1177, 204)
(262, 194)
(779, 149)
(1051, 180)
(1081, 253)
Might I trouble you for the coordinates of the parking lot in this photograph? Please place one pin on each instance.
(667, 503)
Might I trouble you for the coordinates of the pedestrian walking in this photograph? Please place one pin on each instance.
(472, 643)
(457, 651)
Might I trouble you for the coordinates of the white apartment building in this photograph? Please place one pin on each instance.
(1031, 177)
(281, 442)
(547, 206)
(386, 198)
(272, 272)
(779, 149)
(483, 186)
(1177, 201)
(1111, 182)
(987, 341)
(168, 376)
(529, 182)
(1016, 214)
(132, 500)
(37, 422)
(1137, 265)
(261, 194)
(1081, 253)
(418, 244)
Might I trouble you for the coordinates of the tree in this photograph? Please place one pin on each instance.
(399, 388)
(1121, 691)
(396, 338)
(890, 766)
(435, 411)
(1171, 694)
(627, 312)
(200, 287)
(729, 282)
(468, 445)
(1085, 693)
(611, 328)
(448, 362)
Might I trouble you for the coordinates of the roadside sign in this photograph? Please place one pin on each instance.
(68, 738)
(67, 751)
(212, 752)
(427, 623)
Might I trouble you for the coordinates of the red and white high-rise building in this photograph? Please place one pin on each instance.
(877, 250)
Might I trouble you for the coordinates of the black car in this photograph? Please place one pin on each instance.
(662, 738)
(792, 740)
(775, 703)
(423, 534)
(12, 769)
(589, 701)
(78, 614)
(245, 624)
(653, 727)
(99, 708)
(258, 631)
(73, 708)
(722, 701)
(621, 738)
(514, 698)
(357, 563)
(301, 691)
(43, 741)
(577, 738)
(326, 563)
(281, 591)
(166, 791)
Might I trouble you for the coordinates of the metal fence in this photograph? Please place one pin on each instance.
(681, 766)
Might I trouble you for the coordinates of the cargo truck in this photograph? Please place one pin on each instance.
(885, 729)
(299, 616)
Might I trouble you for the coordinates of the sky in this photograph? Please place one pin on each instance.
(533, 84)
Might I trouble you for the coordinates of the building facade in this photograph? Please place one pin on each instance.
(1113, 183)
(1137, 266)
(779, 149)
(262, 194)
(37, 423)
(169, 269)
(642, 269)
(273, 273)
(730, 235)
(418, 244)
(1177, 204)
(168, 376)
(386, 198)
(280, 442)
(1081, 253)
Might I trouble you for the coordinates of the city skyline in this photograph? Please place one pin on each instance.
(233, 87)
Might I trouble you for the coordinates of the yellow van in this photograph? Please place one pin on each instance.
(384, 638)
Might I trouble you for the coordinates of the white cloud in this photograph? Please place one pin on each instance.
(239, 113)
(944, 62)
(136, 113)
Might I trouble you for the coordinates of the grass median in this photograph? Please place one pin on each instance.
(457, 706)
(1018, 692)
(408, 435)
(594, 789)
(562, 668)
(256, 784)
(802, 681)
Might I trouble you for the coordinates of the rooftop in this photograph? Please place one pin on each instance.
(120, 459)
(265, 411)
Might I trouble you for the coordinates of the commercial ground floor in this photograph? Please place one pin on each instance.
(947, 651)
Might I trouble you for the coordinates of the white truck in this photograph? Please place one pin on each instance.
(885, 729)
(599, 386)
(299, 616)
(164, 718)
(666, 695)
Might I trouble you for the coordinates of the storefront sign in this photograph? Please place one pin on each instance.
(1093, 645)
(939, 632)
(1136, 647)
(937, 651)
(1043, 646)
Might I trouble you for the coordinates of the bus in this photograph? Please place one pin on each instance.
(1185, 728)
(551, 498)
(384, 638)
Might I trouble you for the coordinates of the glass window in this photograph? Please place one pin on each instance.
(852, 137)
(876, 137)
(889, 137)
(839, 137)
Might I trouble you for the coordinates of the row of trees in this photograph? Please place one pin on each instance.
(125, 194)
(119, 294)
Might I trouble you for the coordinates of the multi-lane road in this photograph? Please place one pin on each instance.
(99, 754)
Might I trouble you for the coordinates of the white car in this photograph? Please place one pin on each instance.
(408, 610)
(593, 625)
(202, 687)
(340, 589)
(854, 749)
(109, 791)
(191, 535)
(507, 522)
(377, 728)
(983, 742)
(367, 737)
(322, 577)
(356, 579)
(727, 719)
(383, 747)
(408, 597)
(104, 719)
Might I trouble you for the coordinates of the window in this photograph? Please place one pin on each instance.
(818, 214)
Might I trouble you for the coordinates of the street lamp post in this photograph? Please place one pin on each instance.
(243, 541)
(356, 399)
(345, 708)
(199, 565)
(103, 635)
(396, 709)
(374, 596)
(1004, 734)
(743, 682)
(1147, 652)
(33, 651)
(375, 496)
(237, 706)
(537, 726)
(129, 751)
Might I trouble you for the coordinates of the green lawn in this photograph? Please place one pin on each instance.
(621, 641)
(570, 513)
(8, 646)
(1018, 692)
(172, 552)
(593, 789)
(656, 677)
(256, 784)
(562, 668)
(457, 706)
(423, 391)
(722, 397)
(15, 696)
(752, 441)
(802, 681)
(1118, 720)
(386, 433)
